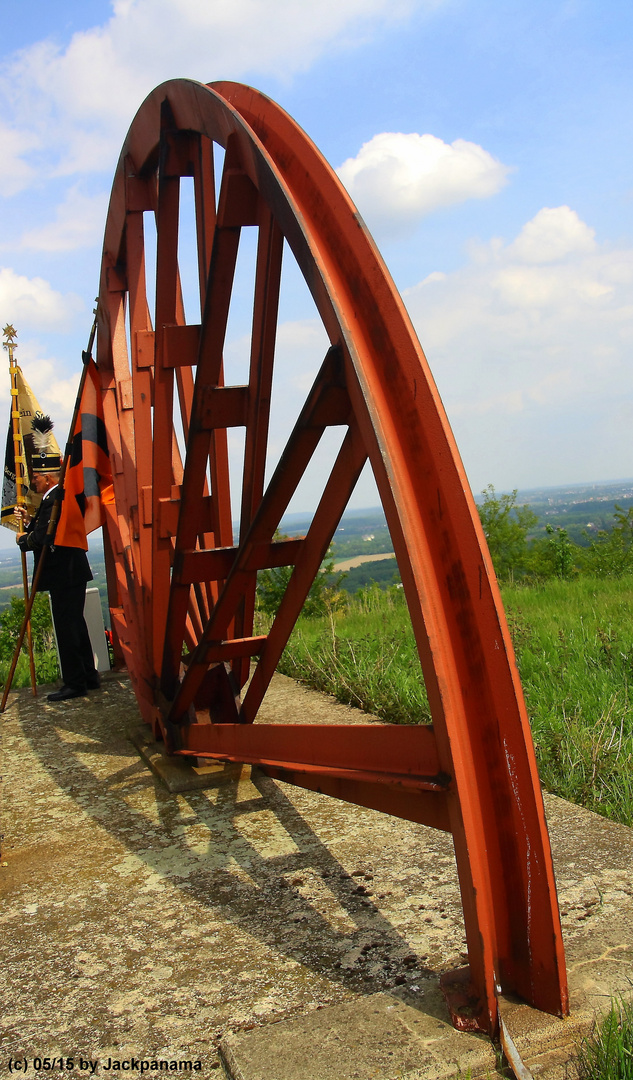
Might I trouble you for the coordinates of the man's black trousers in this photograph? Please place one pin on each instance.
(73, 640)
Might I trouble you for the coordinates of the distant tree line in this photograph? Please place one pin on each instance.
(517, 556)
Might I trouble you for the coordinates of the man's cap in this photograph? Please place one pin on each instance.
(45, 453)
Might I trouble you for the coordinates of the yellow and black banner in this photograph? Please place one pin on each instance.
(28, 409)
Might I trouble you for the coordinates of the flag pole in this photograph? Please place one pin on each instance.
(50, 532)
(10, 345)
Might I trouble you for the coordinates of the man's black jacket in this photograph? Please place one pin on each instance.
(64, 567)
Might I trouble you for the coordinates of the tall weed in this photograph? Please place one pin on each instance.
(364, 656)
(607, 1054)
(574, 646)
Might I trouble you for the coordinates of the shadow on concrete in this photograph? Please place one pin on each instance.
(272, 894)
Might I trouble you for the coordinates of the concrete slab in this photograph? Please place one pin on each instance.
(377, 1036)
(180, 774)
(252, 925)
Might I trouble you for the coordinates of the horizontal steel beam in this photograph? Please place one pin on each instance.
(215, 564)
(399, 750)
(315, 756)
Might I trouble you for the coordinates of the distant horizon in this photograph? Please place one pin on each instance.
(358, 512)
(7, 541)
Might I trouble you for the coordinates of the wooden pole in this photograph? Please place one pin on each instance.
(52, 525)
(20, 477)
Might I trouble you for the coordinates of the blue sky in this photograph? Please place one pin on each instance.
(487, 144)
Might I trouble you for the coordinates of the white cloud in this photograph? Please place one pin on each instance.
(77, 101)
(32, 304)
(396, 179)
(15, 172)
(78, 223)
(55, 396)
(301, 348)
(526, 342)
(60, 396)
(552, 235)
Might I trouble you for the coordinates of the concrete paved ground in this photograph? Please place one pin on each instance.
(250, 926)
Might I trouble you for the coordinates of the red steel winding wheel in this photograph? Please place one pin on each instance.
(182, 593)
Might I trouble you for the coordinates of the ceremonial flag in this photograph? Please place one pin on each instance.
(88, 479)
(26, 405)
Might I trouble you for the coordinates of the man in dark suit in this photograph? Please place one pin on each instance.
(65, 574)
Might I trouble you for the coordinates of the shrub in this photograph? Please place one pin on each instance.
(45, 655)
(506, 526)
(325, 591)
(611, 554)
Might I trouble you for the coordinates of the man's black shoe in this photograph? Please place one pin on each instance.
(93, 684)
(65, 693)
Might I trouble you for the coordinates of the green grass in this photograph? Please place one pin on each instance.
(46, 670)
(607, 1054)
(574, 643)
(365, 655)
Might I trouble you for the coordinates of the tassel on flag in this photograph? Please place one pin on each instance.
(88, 480)
(27, 407)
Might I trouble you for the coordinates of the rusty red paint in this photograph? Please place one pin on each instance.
(182, 593)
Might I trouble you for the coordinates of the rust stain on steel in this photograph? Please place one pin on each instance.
(182, 591)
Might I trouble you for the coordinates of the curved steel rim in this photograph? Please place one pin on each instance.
(482, 729)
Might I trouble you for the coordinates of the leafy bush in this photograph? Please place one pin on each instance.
(45, 654)
(325, 592)
(611, 554)
(554, 555)
(41, 626)
(506, 526)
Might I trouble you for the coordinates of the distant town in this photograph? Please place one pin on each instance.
(582, 509)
